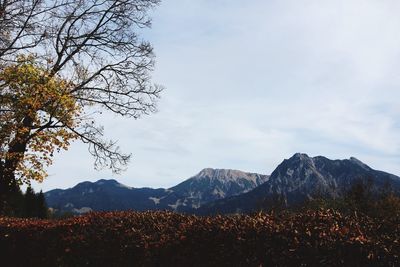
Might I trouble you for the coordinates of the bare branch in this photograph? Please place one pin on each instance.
(91, 46)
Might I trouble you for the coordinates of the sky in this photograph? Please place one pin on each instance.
(250, 83)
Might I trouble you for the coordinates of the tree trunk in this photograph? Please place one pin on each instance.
(8, 184)
(8, 191)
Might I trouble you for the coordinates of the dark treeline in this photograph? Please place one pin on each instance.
(360, 198)
(27, 205)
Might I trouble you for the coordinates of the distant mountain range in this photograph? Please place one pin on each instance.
(228, 191)
(207, 186)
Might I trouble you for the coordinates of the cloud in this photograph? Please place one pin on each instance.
(252, 82)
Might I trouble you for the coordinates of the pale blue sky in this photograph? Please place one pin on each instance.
(249, 83)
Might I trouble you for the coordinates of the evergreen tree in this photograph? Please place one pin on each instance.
(14, 204)
(29, 203)
(41, 207)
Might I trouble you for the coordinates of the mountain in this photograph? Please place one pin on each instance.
(211, 191)
(100, 196)
(213, 184)
(208, 185)
(300, 178)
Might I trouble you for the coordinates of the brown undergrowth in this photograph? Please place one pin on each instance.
(312, 238)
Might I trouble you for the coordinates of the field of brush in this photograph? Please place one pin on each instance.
(314, 238)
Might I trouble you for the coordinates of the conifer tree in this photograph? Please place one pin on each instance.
(41, 207)
(29, 203)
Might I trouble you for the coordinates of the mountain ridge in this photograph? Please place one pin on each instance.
(298, 178)
(295, 180)
(208, 185)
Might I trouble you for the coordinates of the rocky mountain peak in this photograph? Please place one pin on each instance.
(106, 182)
(299, 159)
(226, 175)
(301, 156)
(359, 163)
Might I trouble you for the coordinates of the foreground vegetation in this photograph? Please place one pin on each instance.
(312, 238)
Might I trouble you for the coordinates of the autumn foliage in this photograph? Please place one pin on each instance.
(314, 238)
(33, 94)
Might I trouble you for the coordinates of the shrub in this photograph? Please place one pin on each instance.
(312, 238)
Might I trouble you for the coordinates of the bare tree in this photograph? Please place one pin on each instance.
(90, 49)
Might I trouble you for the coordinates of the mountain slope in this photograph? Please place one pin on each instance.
(213, 184)
(300, 178)
(208, 185)
(101, 196)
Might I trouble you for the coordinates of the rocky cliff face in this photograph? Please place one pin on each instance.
(302, 177)
(213, 184)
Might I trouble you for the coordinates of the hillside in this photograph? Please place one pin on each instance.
(107, 195)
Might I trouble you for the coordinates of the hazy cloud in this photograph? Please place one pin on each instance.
(252, 82)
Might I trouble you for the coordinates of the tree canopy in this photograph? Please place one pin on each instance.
(62, 63)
